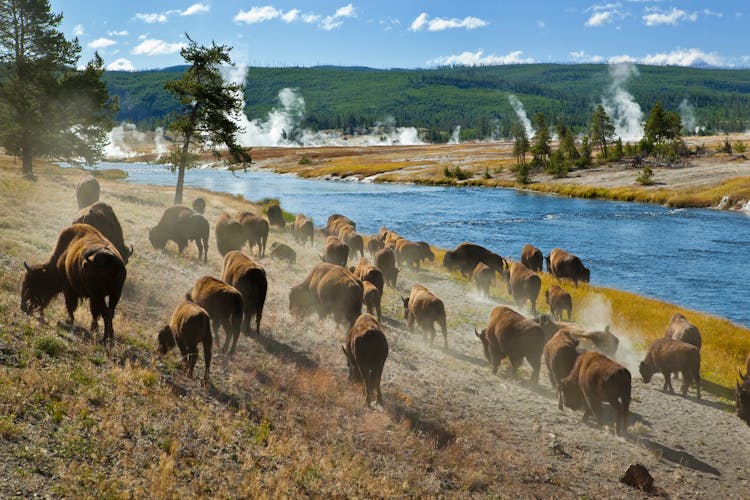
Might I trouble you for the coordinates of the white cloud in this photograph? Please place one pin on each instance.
(196, 8)
(440, 24)
(332, 22)
(121, 64)
(600, 19)
(709, 12)
(78, 29)
(582, 57)
(152, 47)
(621, 59)
(684, 57)
(257, 15)
(479, 59)
(269, 13)
(310, 18)
(151, 18)
(604, 14)
(656, 17)
(101, 43)
(118, 33)
(290, 16)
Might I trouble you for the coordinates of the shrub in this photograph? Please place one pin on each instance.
(645, 177)
(304, 160)
(522, 174)
(49, 345)
(739, 147)
(456, 173)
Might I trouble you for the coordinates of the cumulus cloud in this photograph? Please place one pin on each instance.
(269, 13)
(118, 33)
(153, 47)
(162, 17)
(121, 64)
(684, 57)
(423, 21)
(257, 15)
(151, 18)
(290, 16)
(582, 56)
(657, 17)
(479, 59)
(604, 14)
(336, 20)
(78, 29)
(101, 43)
(196, 8)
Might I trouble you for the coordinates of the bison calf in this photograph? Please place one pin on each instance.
(224, 305)
(667, 356)
(483, 276)
(559, 301)
(366, 350)
(560, 354)
(190, 325)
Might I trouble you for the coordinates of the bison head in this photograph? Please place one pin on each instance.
(166, 340)
(39, 286)
(449, 260)
(647, 371)
(571, 392)
(157, 239)
(586, 275)
(742, 395)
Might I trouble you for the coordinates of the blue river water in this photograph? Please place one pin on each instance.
(696, 258)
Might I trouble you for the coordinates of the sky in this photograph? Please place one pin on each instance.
(137, 35)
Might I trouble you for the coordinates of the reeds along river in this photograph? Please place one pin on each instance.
(692, 257)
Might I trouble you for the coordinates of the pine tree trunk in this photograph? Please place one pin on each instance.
(26, 159)
(180, 183)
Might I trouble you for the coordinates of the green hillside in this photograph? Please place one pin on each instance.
(440, 99)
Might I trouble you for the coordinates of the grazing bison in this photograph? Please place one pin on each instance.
(522, 284)
(465, 257)
(602, 341)
(385, 260)
(275, 217)
(560, 354)
(667, 356)
(328, 289)
(742, 393)
(282, 251)
(353, 240)
(335, 252)
(249, 278)
(532, 257)
(181, 225)
(199, 205)
(366, 350)
(367, 272)
(303, 229)
(679, 328)
(510, 334)
(565, 265)
(84, 264)
(483, 278)
(87, 191)
(255, 230)
(596, 378)
(190, 325)
(229, 234)
(101, 216)
(413, 252)
(373, 245)
(224, 306)
(559, 301)
(425, 308)
(372, 297)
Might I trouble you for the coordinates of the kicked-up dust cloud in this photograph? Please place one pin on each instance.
(521, 113)
(620, 104)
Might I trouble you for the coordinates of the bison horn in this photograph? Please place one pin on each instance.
(131, 249)
(477, 333)
(26, 266)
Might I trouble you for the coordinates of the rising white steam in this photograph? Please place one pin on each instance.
(455, 136)
(687, 116)
(120, 140)
(521, 113)
(620, 104)
(160, 142)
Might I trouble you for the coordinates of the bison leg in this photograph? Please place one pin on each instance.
(205, 250)
(71, 304)
(189, 361)
(430, 328)
(668, 382)
(97, 307)
(535, 364)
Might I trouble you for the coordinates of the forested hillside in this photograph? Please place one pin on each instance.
(438, 100)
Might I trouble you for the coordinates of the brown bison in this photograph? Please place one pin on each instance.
(522, 284)
(275, 217)
(181, 225)
(336, 221)
(483, 278)
(366, 350)
(532, 257)
(87, 191)
(303, 229)
(679, 328)
(510, 334)
(255, 230)
(101, 216)
(559, 301)
(371, 297)
(229, 234)
(425, 308)
(413, 252)
(668, 356)
(199, 205)
(602, 341)
(84, 264)
(564, 265)
(373, 245)
(385, 260)
(466, 256)
(742, 393)
(596, 378)
(190, 325)
(282, 251)
(560, 354)
(367, 272)
(353, 240)
(335, 252)
(224, 305)
(328, 289)
(249, 278)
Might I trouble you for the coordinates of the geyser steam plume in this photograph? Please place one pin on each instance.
(455, 136)
(620, 104)
(521, 113)
(687, 117)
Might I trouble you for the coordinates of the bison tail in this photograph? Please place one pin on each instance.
(188, 297)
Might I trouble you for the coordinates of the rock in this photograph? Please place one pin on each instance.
(638, 476)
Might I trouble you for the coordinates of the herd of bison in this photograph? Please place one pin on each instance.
(90, 257)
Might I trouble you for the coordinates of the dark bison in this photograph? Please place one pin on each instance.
(668, 356)
(87, 191)
(559, 301)
(249, 278)
(413, 252)
(366, 350)
(465, 257)
(560, 354)
(190, 325)
(510, 334)
(373, 245)
(199, 205)
(255, 230)
(84, 264)
(565, 265)
(385, 260)
(224, 306)
(335, 252)
(275, 217)
(425, 308)
(303, 229)
(229, 234)
(523, 284)
(742, 393)
(596, 378)
(101, 216)
(679, 328)
(353, 240)
(532, 257)
(328, 289)
(282, 251)
(181, 225)
(483, 278)
(372, 298)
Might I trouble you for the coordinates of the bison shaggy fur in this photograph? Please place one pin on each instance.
(565, 265)
(224, 305)
(742, 393)
(483, 278)
(249, 278)
(328, 289)
(465, 257)
(560, 354)
(181, 225)
(669, 356)
(335, 252)
(303, 229)
(523, 284)
(385, 260)
(275, 217)
(283, 251)
(255, 230)
(426, 309)
(366, 350)
(679, 328)
(189, 326)
(559, 301)
(102, 216)
(373, 245)
(87, 191)
(532, 257)
(229, 234)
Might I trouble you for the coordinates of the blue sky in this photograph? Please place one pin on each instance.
(410, 33)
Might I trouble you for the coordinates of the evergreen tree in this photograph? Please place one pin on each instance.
(662, 126)
(48, 108)
(541, 145)
(584, 159)
(520, 144)
(207, 107)
(602, 130)
(566, 143)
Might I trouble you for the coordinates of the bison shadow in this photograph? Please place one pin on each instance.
(286, 352)
(431, 428)
(679, 457)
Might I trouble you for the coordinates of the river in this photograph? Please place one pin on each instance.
(692, 257)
